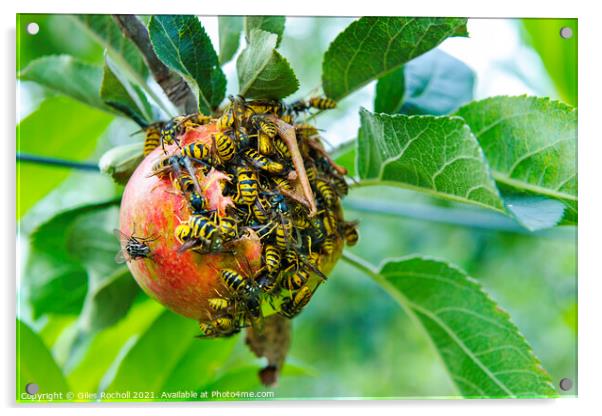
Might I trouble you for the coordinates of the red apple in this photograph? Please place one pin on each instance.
(183, 280)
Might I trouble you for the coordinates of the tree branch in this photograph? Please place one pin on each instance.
(59, 163)
(176, 89)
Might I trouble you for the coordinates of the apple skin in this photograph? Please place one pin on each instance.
(182, 281)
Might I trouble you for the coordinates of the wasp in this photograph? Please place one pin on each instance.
(175, 164)
(234, 280)
(292, 260)
(288, 118)
(312, 172)
(264, 125)
(135, 247)
(170, 131)
(306, 130)
(266, 107)
(326, 192)
(319, 103)
(152, 137)
(301, 222)
(283, 184)
(261, 209)
(284, 231)
(272, 259)
(226, 121)
(297, 279)
(292, 306)
(351, 233)
(179, 125)
(264, 144)
(318, 230)
(184, 183)
(247, 186)
(328, 246)
(223, 326)
(330, 223)
(197, 203)
(281, 147)
(192, 121)
(198, 228)
(206, 329)
(224, 146)
(218, 304)
(262, 162)
(245, 288)
(278, 203)
(239, 113)
(339, 184)
(228, 228)
(322, 103)
(165, 164)
(196, 151)
(314, 260)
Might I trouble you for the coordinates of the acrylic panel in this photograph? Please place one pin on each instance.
(270, 208)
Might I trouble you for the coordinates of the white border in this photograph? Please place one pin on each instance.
(590, 150)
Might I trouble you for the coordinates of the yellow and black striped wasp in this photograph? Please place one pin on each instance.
(319, 103)
(179, 125)
(292, 306)
(152, 136)
(198, 230)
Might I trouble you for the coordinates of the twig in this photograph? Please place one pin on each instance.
(287, 133)
(50, 161)
(317, 146)
(176, 89)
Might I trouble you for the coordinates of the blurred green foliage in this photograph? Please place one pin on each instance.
(49, 124)
(351, 341)
(559, 55)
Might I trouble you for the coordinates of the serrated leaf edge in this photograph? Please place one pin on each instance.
(473, 284)
(502, 207)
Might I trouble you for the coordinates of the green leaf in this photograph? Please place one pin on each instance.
(373, 46)
(263, 72)
(559, 55)
(389, 92)
(125, 97)
(272, 24)
(122, 50)
(483, 350)
(229, 36)
(199, 365)
(104, 348)
(35, 364)
(55, 37)
(70, 140)
(183, 45)
(109, 301)
(55, 278)
(147, 364)
(69, 76)
(437, 84)
(530, 143)
(534, 212)
(438, 155)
